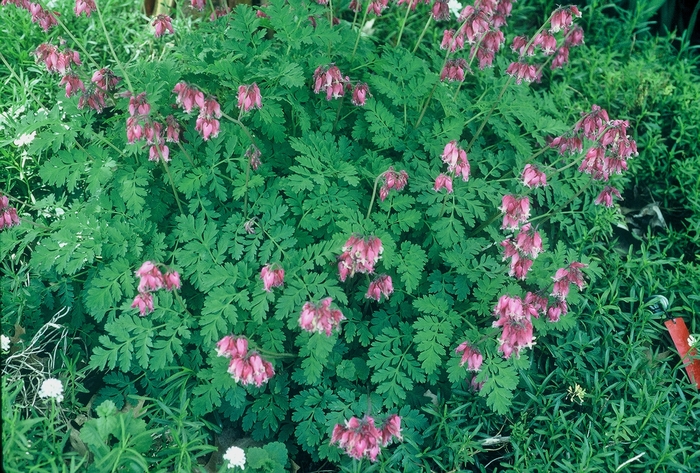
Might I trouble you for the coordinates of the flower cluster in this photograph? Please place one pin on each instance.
(51, 388)
(380, 286)
(235, 457)
(246, 367)
(516, 210)
(377, 6)
(190, 98)
(163, 23)
(150, 280)
(139, 126)
(317, 318)
(330, 80)
(515, 318)
(362, 439)
(392, 180)
(532, 177)
(611, 149)
(359, 256)
(271, 276)
(86, 6)
(470, 355)
(103, 82)
(8, 215)
(56, 60)
(567, 276)
(45, 18)
(5, 343)
(249, 97)
(454, 70)
(253, 154)
(547, 44)
(457, 165)
(522, 251)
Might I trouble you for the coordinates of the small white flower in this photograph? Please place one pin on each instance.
(236, 457)
(25, 139)
(52, 388)
(5, 341)
(455, 7)
(692, 341)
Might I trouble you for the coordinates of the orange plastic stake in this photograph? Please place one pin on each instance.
(679, 334)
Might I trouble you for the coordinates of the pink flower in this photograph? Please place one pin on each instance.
(95, 100)
(144, 303)
(529, 241)
(565, 276)
(574, 37)
(440, 10)
(105, 79)
(359, 94)
(456, 160)
(188, 97)
(377, 6)
(470, 355)
(572, 144)
(537, 302)
(232, 347)
(546, 42)
(207, 124)
(556, 310)
(392, 180)
(55, 60)
(443, 181)
(524, 72)
(218, 12)
(561, 58)
(361, 438)
(272, 277)
(359, 256)
(595, 163)
(452, 40)
(45, 18)
(8, 215)
(253, 154)
(250, 369)
(516, 210)
(198, 4)
(138, 105)
(162, 24)
(72, 83)
(606, 196)
(172, 280)
(159, 151)
(519, 45)
(519, 266)
(151, 277)
(172, 130)
(380, 286)
(86, 6)
(249, 97)
(532, 177)
(593, 123)
(515, 319)
(330, 80)
(320, 318)
(563, 17)
(355, 6)
(454, 70)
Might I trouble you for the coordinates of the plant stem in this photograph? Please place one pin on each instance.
(374, 194)
(111, 47)
(427, 102)
(170, 178)
(420, 38)
(403, 24)
(359, 33)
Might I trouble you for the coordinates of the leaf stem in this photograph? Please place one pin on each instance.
(170, 178)
(359, 33)
(111, 48)
(374, 194)
(403, 24)
(420, 38)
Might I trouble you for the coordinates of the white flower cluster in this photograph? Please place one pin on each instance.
(51, 388)
(236, 457)
(5, 342)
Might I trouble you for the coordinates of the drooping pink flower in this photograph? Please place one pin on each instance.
(251, 369)
(532, 177)
(359, 255)
(520, 264)
(561, 58)
(529, 241)
(361, 438)
(188, 97)
(253, 154)
(392, 180)
(8, 215)
(516, 210)
(606, 196)
(380, 286)
(515, 319)
(595, 163)
(272, 276)
(443, 181)
(452, 40)
(593, 123)
(476, 386)
(524, 72)
(105, 79)
(572, 144)
(163, 23)
(198, 4)
(172, 280)
(317, 318)
(159, 151)
(73, 84)
(138, 105)
(249, 97)
(232, 347)
(537, 302)
(565, 276)
(440, 10)
(55, 60)
(87, 6)
(207, 124)
(151, 279)
(377, 6)
(45, 18)
(470, 355)
(556, 310)
(218, 12)
(520, 46)
(574, 37)
(330, 80)
(453, 153)
(172, 130)
(143, 302)
(546, 42)
(94, 99)
(454, 70)
(563, 17)
(359, 94)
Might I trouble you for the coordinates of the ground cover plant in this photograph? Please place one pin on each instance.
(276, 233)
